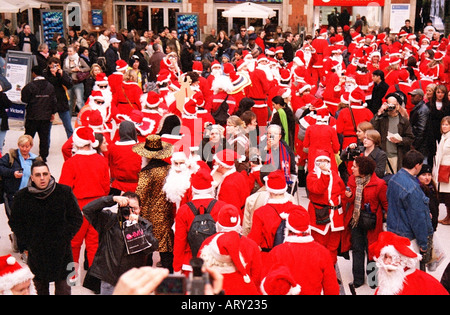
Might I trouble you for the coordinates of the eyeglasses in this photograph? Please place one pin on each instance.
(243, 30)
(102, 86)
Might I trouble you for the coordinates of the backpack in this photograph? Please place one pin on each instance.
(221, 114)
(201, 228)
(279, 234)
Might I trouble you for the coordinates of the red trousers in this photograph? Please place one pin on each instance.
(262, 115)
(88, 234)
(331, 241)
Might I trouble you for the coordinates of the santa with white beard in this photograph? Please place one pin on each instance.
(397, 273)
(177, 186)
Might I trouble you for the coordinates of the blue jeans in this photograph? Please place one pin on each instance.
(106, 288)
(76, 92)
(66, 119)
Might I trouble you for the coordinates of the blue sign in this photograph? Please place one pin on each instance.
(52, 22)
(97, 17)
(186, 21)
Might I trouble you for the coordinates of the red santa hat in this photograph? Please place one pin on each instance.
(228, 219)
(323, 31)
(142, 124)
(438, 56)
(357, 97)
(92, 118)
(304, 87)
(97, 95)
(201, 182)
(226, 158)
(279, 50)
(163, 77)
(345, 98)
(215, 64)
(322, 155)
(101, 78)
(223, 251)
(240, 64)
(402, 33)
(12, 273)
(356, 36)
(83, 136)
(190, 108)
(270, 51)
(262, 57)
(276, 182)
(322, 116)
(403, 75)
(279, 281)
(197, 66)
(297, 221)
(285, 74)
(121, 65)
(394, 60)
(152, 100)
(401, 244)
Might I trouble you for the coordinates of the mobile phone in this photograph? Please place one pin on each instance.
(172, 285)
(20, 170)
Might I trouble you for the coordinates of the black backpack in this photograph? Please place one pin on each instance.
(221, 114)
(201, 228)
(279, 234)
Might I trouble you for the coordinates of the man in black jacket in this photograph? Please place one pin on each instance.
(380, 88)
(113, 258)
(61, 81)
(111, 56)
(45, 216)
(40, 99)
(419, 119)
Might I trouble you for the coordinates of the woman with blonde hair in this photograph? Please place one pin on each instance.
(238, 141)
(90, 81)
(129, 98)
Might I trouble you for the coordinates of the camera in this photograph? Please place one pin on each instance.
(125, 211)
(352, 153)
(182, 285)
(391, 107)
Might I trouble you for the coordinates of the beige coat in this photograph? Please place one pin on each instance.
(442, 158)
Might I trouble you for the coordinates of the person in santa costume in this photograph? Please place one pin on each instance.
(267, 218)
(116, 78)
(170, 63)
(309, 262)
(143, 125)
(87, 173)
(326, 190)
(239, 80)
(222, 87)
(150, 103)
(232, 186)
(258, 90)
(320, 44)
(279, 281)
(178, 180)
(166, 90)
(14, 278)
(396, 272)
(232, 256)
(204, 86)
(404, 86)
(101, 84)
(124, 164)
(349, 118)
(332, 91)
(321, 137)
(202, 197)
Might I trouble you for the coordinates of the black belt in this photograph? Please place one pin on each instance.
(329, 206)
(266, 250)
(258, 99)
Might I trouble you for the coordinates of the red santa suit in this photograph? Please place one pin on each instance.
(205, 87)
(87, 173)
(404, 86)
(203, 195)
(360, 112)
(320, 44)
(239, 80)
(233, 188)
(150, 109)
(308, 261)
(231, 255)
(398, 275)
(115, 79)
(332, 91)
(267, 218)
(258, 92)
(124, 164)
(326, 189)
(321, 137)
(128, 98)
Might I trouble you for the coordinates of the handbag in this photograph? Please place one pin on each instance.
(367, 219)
(134, 237)
(322, 214)
(82, 76)
(444, 174)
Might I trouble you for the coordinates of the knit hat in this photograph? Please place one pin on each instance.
(276, 182)
(12, 273)
(425, 169)
(228, 219)
(83, 136)
(279, 281)
(201, 182)
(121, 65)
(223, 252)
(226, 158)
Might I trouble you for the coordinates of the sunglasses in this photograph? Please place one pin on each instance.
(102, 86)
(99, 102)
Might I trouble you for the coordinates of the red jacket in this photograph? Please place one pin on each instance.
(375, 194)
(125, 166)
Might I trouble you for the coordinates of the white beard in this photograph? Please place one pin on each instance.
(176, 185)
(390, 282)
(267, 71)
(216, 72)
(307, 55)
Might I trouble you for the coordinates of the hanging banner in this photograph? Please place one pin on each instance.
(52, 22)
(348, 3)
(186, 21)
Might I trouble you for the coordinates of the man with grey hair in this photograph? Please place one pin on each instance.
(279, 154)
(155, 60)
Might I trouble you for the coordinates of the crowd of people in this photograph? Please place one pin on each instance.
(193, 149)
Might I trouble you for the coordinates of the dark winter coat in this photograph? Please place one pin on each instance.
(46, 228)
(112, 259)
(40, 97)
(59, 82)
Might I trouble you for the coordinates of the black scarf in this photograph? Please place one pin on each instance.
(41, 193)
